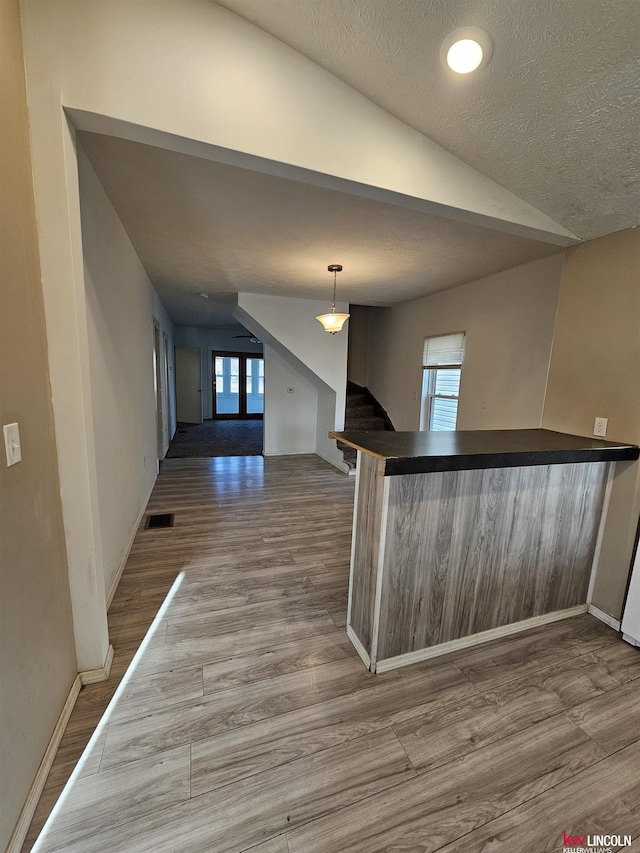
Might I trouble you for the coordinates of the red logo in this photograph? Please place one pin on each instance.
(573, 840)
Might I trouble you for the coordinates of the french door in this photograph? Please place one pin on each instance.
(238, 385)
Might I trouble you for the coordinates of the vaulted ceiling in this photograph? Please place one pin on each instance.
(554, 119)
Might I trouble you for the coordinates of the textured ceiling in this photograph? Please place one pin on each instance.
(202, 226)
(555, 118)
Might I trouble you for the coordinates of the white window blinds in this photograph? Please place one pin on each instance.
(443, 351)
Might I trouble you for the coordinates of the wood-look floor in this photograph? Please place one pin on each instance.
(247, 722)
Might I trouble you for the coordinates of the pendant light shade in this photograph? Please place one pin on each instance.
(333, 321)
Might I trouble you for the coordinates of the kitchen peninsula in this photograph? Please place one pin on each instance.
(462, 537)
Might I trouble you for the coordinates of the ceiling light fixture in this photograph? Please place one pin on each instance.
(204, 295)
(466, 49)
(332, 321)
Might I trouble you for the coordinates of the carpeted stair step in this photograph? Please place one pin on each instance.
(349, 454)
(368, 424)
(364, 410)
(356, 400)
(359, 417)
(351, 459)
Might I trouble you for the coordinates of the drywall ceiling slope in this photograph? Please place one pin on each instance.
(202, 226)
(554, 118)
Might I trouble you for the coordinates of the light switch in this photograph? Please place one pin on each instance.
(12, 444)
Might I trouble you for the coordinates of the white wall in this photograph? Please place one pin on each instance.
(121, 304)
(209, 341)
(289, 327)
(197, 71)
(289, 417)
(508, 319)
(293, 323)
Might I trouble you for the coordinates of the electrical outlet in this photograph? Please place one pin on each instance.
(600, 427)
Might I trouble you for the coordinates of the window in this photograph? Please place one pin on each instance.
(441, 370)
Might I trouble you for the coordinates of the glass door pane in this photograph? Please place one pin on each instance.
(227, 385)
(255, 386)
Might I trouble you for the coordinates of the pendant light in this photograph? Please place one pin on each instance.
(332, 321)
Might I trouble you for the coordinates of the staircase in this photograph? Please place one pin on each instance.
(363, 413)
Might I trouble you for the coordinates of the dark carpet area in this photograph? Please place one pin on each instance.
(217, 438)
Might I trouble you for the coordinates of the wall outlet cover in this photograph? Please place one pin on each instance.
(600, 427)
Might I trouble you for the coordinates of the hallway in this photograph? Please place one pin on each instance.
(246, 721)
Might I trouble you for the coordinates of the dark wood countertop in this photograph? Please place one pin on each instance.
(422, 452)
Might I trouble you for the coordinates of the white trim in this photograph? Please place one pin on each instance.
(478, 639)
(633, 641)
(311, 451)
(341, 466)
(353, 537)
(29, 808)
(125, 556)
(603, 520)
(357, 645)
(380, 571)
(92, 676)
(604, 617)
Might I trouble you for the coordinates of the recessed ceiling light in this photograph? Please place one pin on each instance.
(464, 56)
(466, 49)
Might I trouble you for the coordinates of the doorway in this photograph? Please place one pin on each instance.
(188, 391)
(238, 386)
(161, 418)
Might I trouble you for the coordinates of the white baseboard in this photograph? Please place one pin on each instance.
(341, 466)
(604, 617)
(28, 810)
(288, 452)
(115, 580)
(92, 676)
(478, 639)
(357, 645)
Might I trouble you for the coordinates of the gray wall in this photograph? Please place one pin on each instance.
(595, 372)
(508, 319)
(358, 352)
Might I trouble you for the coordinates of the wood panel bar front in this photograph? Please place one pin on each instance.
(446, 559)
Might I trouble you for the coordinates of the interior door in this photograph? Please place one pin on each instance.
(165, 390)
(188, 386)
(157, 375)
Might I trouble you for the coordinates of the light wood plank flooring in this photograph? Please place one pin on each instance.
(247, 722)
